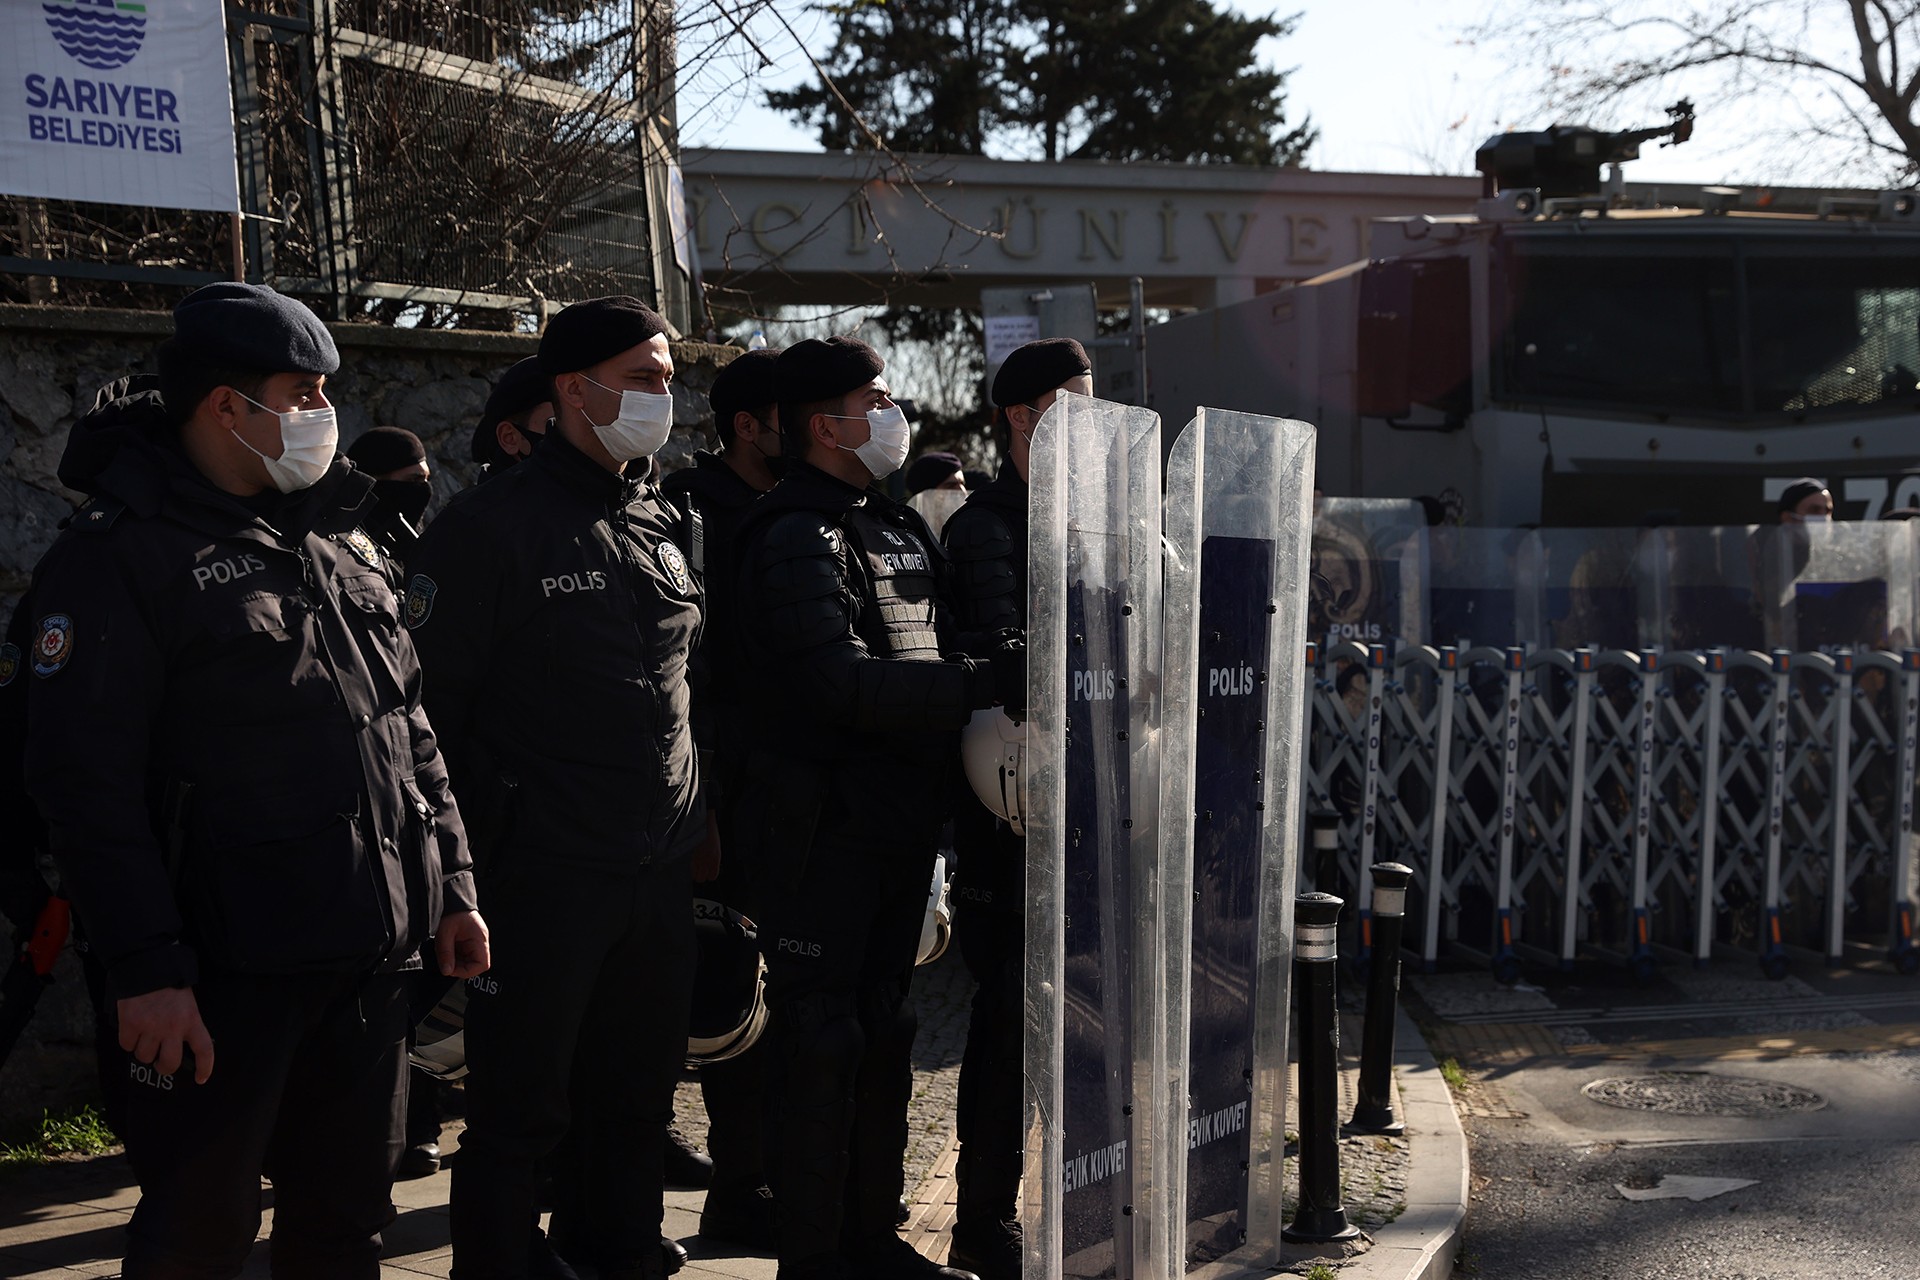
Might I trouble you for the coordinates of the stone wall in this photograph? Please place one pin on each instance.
(53, 360)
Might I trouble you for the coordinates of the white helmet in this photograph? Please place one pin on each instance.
(993, 747)
(729, 1009)
(937, 929)
(440, 1041)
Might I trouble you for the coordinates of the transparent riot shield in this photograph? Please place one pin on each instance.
(1240, 539)
(1697, 589)
(1825, 587)
(1583, 591)
(1094, 1197)
(1473, 585)
(1366, 584)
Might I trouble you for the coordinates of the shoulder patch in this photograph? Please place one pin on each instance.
(674, 565)
(9, 663)
(363, 549)
(420, 594)
(55, 645)
(96, 515)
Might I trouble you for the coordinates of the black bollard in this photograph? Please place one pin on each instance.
(1374, 1111)
(1326, 850)
(1320, 1217)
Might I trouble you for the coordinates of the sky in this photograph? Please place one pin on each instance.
(1394, 85)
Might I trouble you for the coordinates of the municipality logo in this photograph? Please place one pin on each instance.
(101, 34)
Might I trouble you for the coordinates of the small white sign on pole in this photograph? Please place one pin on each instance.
(118, 102)
(1007, 333)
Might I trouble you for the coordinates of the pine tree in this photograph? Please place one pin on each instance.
(1054, 79)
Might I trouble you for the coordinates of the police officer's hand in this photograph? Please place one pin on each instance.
(706, 854)
(1010, 675)
(461, 945)
(159, 1027)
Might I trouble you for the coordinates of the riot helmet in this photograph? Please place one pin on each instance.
(729, 1008)
(993, 748)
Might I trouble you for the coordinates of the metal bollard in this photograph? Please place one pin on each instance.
(1374, 1111)
(1320, 1217)
(1326, 850)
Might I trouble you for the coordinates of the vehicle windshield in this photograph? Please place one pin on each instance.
(1687, 325)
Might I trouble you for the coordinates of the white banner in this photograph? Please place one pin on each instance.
(117, 101)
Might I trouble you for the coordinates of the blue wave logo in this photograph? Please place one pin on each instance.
(101, 34)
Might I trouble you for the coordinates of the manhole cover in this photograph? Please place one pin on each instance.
(1700, 1093)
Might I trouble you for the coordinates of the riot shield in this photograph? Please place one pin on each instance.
(1239, 541)
(1697, 589)
(1473, 591)
(1581, 589)
(1836, 586)
(1366, 584)
(1095, 1192)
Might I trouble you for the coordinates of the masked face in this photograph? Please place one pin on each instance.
(643, 424)
(407, 498)
(308, 440)
(888, 439)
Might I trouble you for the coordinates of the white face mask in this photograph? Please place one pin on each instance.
(643, 425)
(308, 440)
(1816, 519)
(888, 439)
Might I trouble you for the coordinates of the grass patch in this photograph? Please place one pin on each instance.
(1321, 1271)
(1453, 1073)
(81, 1131)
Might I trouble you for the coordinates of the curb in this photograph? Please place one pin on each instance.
(1422, 1242)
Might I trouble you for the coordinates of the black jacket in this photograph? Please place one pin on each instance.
(720, 500)
(842, 598)
(555, 616)
(986, 541)
(224, 723)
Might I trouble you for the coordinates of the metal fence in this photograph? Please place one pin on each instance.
(1624, 799)
(1625, 802)
(455, 162)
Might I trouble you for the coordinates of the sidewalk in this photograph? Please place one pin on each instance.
(67, 1220)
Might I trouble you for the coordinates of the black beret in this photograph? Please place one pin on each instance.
(1799, 491)
(745, 384)
(249, 326)
(931, 470)
(586, 333)
(824, 369)
(519, 389)
(1037, 368)
(385, 449)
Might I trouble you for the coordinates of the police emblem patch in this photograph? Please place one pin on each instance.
(55, 645)
(362, 546)
(9, 663)
(420, 599)
(674, 565)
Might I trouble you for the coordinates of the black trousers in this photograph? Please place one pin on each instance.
(588, 991)
(306, 1078)
(840, 941)
(990, 929)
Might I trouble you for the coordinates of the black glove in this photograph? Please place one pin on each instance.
(980, 686)
(1010, 675)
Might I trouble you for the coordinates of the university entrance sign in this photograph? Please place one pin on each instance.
(786, 227)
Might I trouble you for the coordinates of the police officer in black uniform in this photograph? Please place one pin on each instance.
(246, 803)
(517, 413)
(402, 485)
(855, 733)
(555, 615)
(719, 489)
(986, 540)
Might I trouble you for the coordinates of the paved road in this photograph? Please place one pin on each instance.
(1825, 1066)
